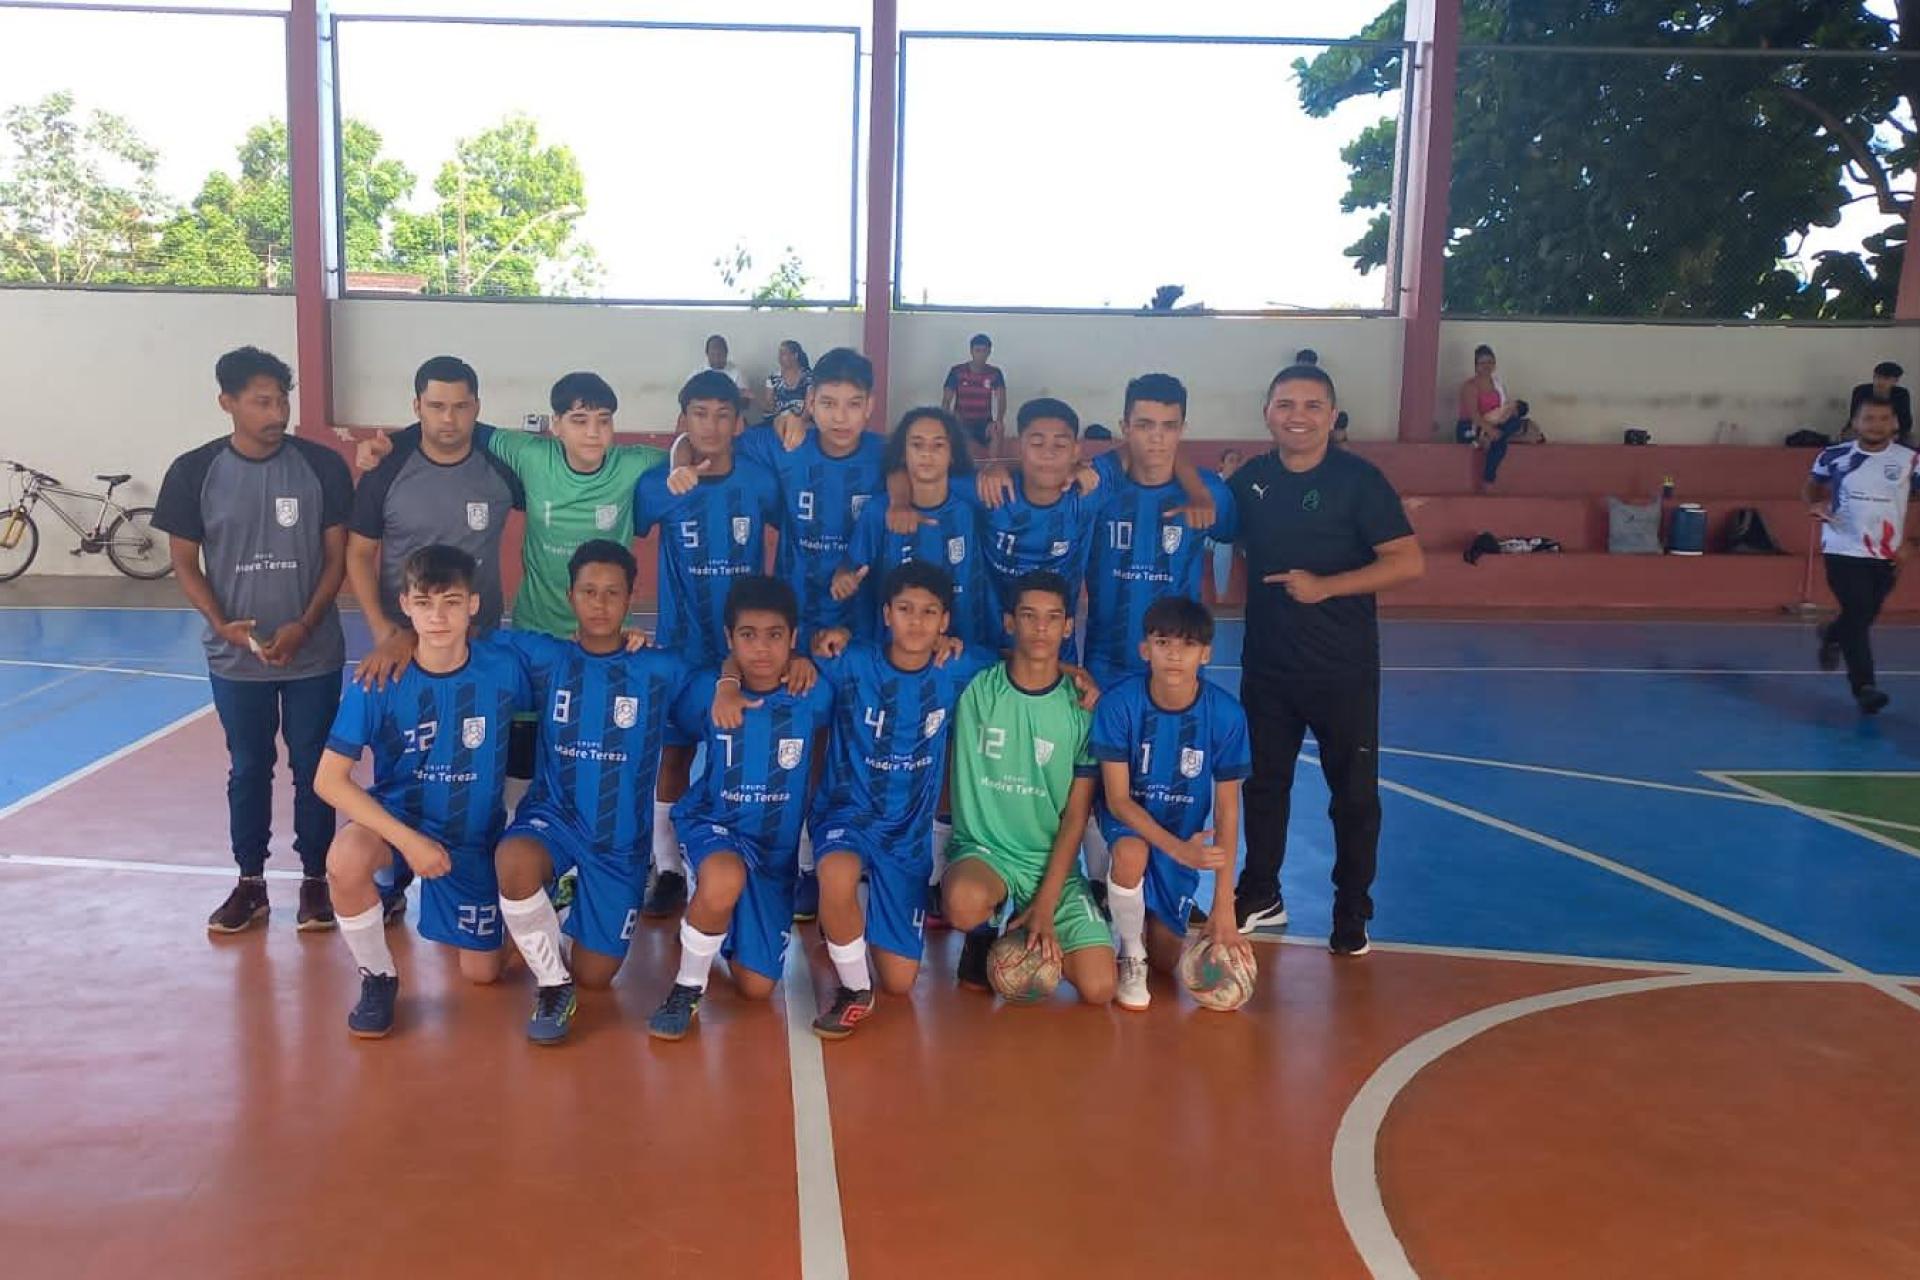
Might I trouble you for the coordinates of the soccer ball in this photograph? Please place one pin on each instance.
(1021, 976)
(1219, 978)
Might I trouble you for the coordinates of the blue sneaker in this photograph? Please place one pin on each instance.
(372, 1018)
(553, 1010)
(674, 1018)
(806, 898)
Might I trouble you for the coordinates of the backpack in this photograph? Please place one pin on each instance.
(1747, 534)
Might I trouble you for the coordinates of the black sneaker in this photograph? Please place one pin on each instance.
(849, 1009)
(316, 906)
(1872, 701)
(1829, 654)
(244, 908)
(1255, 913)
(667, 896)
(372, 1018)
(973, 958)
(1349, 937)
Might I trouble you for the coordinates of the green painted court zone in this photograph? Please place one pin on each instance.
(1886, 804)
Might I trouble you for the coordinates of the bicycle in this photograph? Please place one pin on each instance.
(130, 540)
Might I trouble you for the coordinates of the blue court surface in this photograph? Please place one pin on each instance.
(1587, 789)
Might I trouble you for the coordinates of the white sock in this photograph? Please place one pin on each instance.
(806, 852)
(1099, 858)
(697, 951)
(850, 962)
(942, 834)
(666, 845)
(366, 938)
(1129, 908)
(536, 931)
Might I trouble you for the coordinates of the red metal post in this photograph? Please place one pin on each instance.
(1906, 302)
(1433, 26)
(312, 321)
(883, 100)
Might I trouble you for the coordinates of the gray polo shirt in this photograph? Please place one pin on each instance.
(410, 501)
(259, 524)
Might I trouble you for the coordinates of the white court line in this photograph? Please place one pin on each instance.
(119, 864)
(823, 1241)
(1827, 816)
(87, 770)
(83, 667)
(1638, 965)
(1493, 668)
(39, 689)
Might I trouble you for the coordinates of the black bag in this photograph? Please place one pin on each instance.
(1808, 438)
(1635, 435)
(1747, 534)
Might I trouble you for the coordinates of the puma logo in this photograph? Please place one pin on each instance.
(1259, 490)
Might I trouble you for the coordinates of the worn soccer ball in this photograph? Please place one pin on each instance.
(1018, 975)
(1219, 978)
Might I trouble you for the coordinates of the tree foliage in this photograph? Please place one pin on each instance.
(1654, 183)
(78, 201)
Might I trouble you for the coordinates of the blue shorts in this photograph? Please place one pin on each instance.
(608, 886)
(462, 907)
(897, 888)
(763, 917)
(1169, 885)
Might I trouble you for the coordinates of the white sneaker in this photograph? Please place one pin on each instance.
(1132, 993)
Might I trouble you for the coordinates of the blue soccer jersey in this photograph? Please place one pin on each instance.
(821, 500)
(1173, 757)
(1139, 555)
(1023, 537)
(602, 720)
(709, 536)
(953, 541)
(440, 743)
(756, 777)
(888, 758)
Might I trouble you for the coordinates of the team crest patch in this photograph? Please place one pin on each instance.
(286, 512)
(1892, 471)
(625, 712)
(1042, 751)
(956, 549)
(478, 516)
(859, 504)
(790, 749)
(742, 526)
(1170, 537)
(1060, 549)
(1191, 760)
(931, 725)
(603, 517)
(473, 731)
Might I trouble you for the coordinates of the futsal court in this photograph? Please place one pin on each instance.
(1643, 1002)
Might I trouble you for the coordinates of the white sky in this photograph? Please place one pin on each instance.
(1036, 173)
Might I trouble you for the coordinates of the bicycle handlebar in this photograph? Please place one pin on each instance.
(37, 475)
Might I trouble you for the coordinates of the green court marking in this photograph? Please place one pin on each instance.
(1869, 799)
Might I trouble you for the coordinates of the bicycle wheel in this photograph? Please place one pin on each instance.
(19, 542)
(136, 548)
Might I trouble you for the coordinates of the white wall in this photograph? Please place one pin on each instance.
(93, 382)
(1586, 383)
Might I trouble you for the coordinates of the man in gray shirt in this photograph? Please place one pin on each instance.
(258, 526)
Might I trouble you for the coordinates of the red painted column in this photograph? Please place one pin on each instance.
(883, 102)
(312, 323)
(1906, 303)
(1434, 28)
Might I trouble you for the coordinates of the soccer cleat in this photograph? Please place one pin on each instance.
(372, 1018)
(674, 1018)
(316, 906)
(666, 896)
(553, 1010)
(1253, 913)
(849, 1009)
(1871, 700)
(806, 898)
(244, 908)
(1132, 992)
(973, 958)
(1349, 937)
(1829, 653)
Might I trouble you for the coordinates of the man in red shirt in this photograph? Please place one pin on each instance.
(976, 393)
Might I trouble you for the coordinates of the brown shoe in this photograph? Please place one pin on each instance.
(316, 906)
(244, 908)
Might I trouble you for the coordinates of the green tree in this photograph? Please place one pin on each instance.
(1652, 184)
(786, 283)
(78, 201)
(507, 220)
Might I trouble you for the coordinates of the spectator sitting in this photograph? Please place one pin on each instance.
(787, 386)
(717, 359)
(1885, 386)
(1490, 417)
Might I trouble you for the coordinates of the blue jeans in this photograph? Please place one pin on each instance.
(253, 713)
